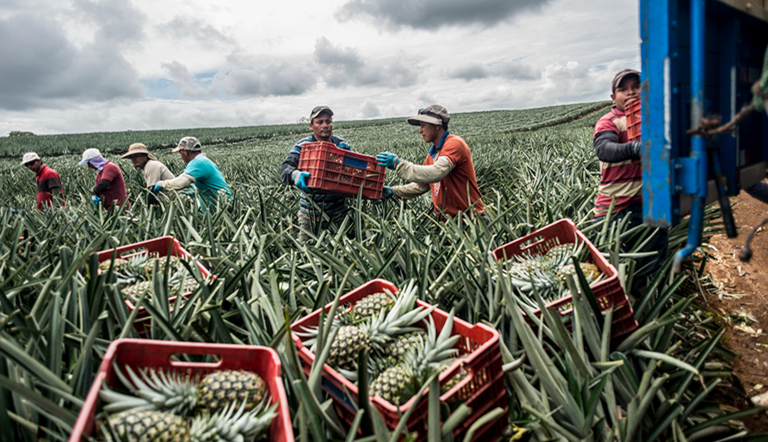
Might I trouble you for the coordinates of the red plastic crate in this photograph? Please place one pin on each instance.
(139, 353)
(482, 390)
(608, 292)
(161, 247)
(341, 172)
(634, 119)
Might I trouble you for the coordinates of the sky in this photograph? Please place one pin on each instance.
(71, 66)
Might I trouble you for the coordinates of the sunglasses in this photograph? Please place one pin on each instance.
(319, 108)
(31, 163)
(430, 113)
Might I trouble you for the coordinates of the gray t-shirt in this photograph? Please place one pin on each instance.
(155, 171)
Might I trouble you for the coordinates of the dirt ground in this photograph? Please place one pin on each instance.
(744, 292)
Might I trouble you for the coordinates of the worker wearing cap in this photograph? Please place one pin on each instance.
(335, 207)
(448, 171)
(154, 170)
(621, 180)
(200, 174)
(48, 181)
(110, 185)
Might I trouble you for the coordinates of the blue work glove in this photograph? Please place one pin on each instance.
(299, 178)
(636, 147)
(14, 212)
(95, 200)
(388, 159)
(386, 193)
(157, 188)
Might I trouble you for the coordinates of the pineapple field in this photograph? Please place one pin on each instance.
(377, 325)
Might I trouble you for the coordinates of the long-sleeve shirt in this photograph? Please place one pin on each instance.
(332, 205)
(759, 191)
(48, 184)
(622, 175)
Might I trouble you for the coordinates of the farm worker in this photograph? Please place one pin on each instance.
(335, 207)
(200, 174)
(48, 181)
(448, 171)
(622, 180)
(110, 185)
(154, 170)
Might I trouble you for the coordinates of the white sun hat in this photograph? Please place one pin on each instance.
(29, 157)
(88, 155)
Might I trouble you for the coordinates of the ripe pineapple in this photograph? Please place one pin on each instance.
(136, 290)
(378, 331)
(221, 388)
(149, 426)
(173, 261)
(348, 343)
(372, 305)
(119, 265)
(591, 272)
(397, 384)
(399, 346)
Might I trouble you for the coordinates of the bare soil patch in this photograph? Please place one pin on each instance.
(743, 306)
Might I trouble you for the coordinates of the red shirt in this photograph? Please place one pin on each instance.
(47, 179)
(116, 189)
(450, 194)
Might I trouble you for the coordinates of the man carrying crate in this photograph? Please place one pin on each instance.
(154, 170)
(621, 183)
(313, 206)
(201, 174)
(448, 170)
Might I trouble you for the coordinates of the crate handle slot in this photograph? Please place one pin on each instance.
(203, 365)
(534, 241)
(354, 162)
(132, 252)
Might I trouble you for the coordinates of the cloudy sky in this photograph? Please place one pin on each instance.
(111, 65)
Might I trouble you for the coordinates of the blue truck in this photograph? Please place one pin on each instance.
(700, 59)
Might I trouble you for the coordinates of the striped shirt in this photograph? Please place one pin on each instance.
(622, 179)
(332, 205)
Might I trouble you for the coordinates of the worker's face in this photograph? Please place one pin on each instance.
(34, 166)
(139, 161)
(429, 132)
(322, 127)
(628, 88)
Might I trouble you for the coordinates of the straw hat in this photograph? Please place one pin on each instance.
(137, 148)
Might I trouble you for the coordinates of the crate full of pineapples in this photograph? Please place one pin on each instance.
(162, 390)
(407, 340)
(134, 265)
(540, 263)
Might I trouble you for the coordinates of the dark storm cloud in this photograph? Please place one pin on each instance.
(196, 29)
(345, 67)
(429, 14)
(509, 71)
(41, 67)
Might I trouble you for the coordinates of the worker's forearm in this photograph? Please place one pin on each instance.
(609, 150)
(759, 191)
(180, 182)
(101, 187)
(424, 174)
(288, 167)
(56, 192)
(411, 190)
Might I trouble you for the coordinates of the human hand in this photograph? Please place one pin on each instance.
(96, 200)
(386, 193)
(388, 159)
(636, 148)
(158, 187)
(299, 180)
